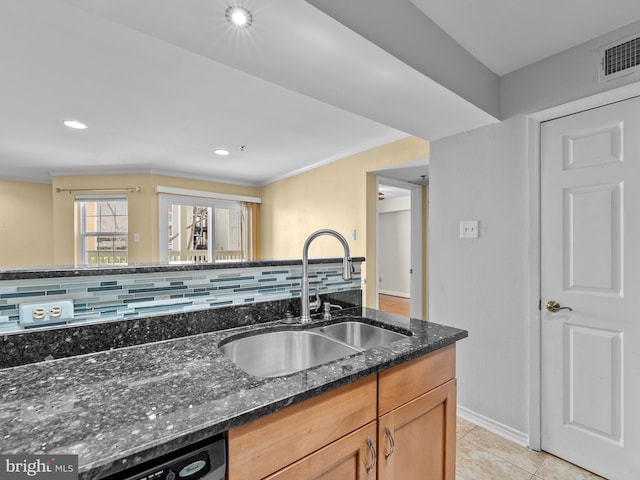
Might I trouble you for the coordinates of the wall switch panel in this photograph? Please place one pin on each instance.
(469, 229)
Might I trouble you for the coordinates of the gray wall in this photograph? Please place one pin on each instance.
(481, 285)
(570, 75)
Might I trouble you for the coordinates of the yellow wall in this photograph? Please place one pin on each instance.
(25, 224)
(341, 196)
(143, 209)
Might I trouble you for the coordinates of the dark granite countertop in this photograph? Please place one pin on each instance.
(87, 271)
(121, 407)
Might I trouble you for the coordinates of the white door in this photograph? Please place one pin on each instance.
(590, 241)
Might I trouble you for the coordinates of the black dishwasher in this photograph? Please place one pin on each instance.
(206, 460)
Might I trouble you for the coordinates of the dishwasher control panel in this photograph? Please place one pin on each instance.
(207, 462)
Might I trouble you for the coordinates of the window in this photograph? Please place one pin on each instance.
(202, 233)
(103, 224)
(206, 229)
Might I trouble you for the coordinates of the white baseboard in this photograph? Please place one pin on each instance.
(498, 428)
(395, 294)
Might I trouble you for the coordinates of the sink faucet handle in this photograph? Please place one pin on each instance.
(315, 305)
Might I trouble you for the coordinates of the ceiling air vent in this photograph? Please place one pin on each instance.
(620, 58)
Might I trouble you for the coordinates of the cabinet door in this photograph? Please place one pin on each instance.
(352, 457)
(417, 441)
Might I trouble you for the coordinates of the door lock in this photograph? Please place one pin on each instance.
(554, 307)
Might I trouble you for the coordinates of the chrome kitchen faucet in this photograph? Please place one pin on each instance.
(347, 268)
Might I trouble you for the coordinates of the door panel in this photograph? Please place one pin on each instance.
(593, 387)
(593, 148)
(593, 239)
(590, 262)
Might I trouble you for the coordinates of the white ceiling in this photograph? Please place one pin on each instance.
(161, 83)
(415, 171)
(151, 105)
(386, 192)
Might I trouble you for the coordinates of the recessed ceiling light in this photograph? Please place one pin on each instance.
(221, 151)
(238, 17)
(75, 124)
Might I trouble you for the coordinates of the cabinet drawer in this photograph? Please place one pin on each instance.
(267, 444)
(349, 458)
(404, 382)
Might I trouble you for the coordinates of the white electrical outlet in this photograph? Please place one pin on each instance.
(48, 313)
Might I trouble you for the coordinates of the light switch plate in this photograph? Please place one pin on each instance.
(469, 229)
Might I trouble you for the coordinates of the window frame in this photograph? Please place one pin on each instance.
(82, 256)
(166, 199)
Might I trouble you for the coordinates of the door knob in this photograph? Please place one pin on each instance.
(554, 307)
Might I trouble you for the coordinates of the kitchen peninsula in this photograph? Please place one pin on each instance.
(124, 406)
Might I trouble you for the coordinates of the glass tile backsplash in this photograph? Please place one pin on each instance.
(107, 297)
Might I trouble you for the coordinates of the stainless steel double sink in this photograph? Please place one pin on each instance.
(282, 352)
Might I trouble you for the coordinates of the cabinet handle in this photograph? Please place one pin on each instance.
(372, 450)
(392, 443)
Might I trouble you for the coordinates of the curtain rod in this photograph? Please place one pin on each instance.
(99, 190)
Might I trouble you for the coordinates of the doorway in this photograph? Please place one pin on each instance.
(399, 228)
(589, 288)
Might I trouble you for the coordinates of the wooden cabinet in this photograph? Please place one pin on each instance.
(403, 419)
(417, 418)
(352, 457)
(417, 440)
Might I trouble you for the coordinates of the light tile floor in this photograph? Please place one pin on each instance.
(482, 455)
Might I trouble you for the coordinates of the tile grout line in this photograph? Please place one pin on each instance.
(479, 444)
(537, 475)
(502, 460)
(519, 467)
